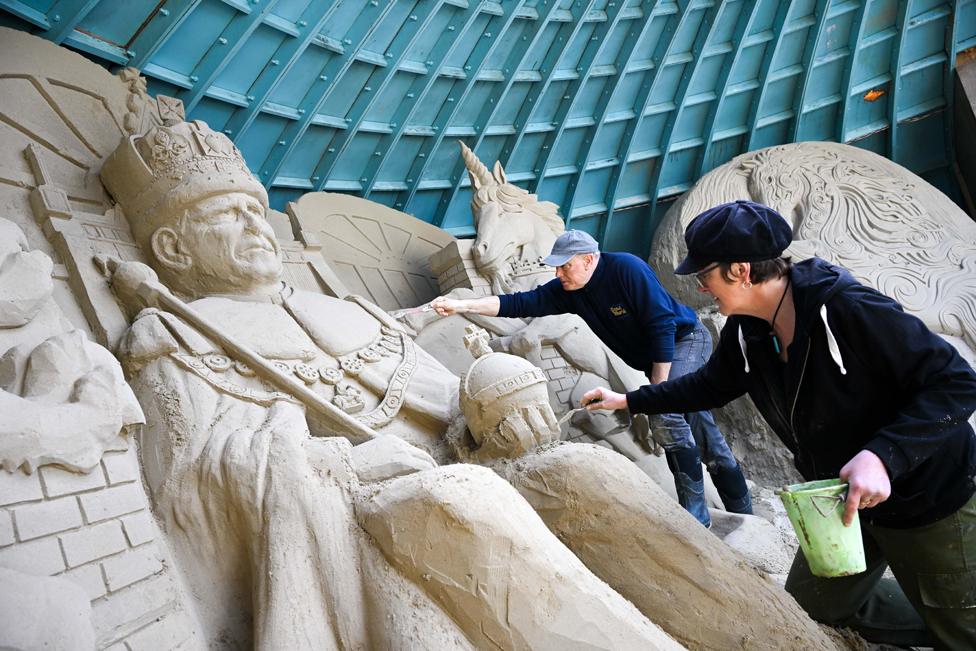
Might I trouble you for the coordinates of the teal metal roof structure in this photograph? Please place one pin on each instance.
(604, 107)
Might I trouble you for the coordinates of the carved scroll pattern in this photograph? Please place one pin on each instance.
(873, 221)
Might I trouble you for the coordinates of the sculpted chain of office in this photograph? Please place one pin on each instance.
(208, 441)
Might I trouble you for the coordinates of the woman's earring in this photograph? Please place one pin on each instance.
(747, 284)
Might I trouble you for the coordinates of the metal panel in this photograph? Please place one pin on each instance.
(599, 105)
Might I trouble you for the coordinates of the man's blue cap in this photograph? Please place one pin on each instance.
(741, 231)
(569, 244)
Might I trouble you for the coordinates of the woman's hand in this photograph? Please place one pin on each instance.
(602, 398)
(868, 483)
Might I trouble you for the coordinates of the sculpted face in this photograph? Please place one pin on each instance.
(223, 244)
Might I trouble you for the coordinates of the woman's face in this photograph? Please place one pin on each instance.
(730, 296)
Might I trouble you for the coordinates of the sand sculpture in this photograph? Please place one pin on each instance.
(890, 228)
(263, 517)
(285, 534)
(618, 521)
(514, 231)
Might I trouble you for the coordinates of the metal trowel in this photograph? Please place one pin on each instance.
(569, 414)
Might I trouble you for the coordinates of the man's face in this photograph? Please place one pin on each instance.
(577, 271)
(231, 245)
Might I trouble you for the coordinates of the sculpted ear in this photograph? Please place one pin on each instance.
(499, 172)
(166, 247)
(475, 182)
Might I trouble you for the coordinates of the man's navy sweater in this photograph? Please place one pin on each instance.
(623, 303)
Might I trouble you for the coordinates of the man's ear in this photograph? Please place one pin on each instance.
(166, 247)
(740, 270)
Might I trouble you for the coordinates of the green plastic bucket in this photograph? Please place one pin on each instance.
(815, 509)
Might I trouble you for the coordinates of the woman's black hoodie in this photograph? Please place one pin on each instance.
(862, 375)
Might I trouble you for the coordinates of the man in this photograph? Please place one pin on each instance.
(621, 300)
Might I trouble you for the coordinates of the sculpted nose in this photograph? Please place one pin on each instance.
(481, 249)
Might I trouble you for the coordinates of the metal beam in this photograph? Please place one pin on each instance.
(810, 61)
(949, 85)
(222, 50)
(65, 16)
(661, 51)
(550, 64)
(366, 23)
(847, 85)
(458, 93)
(593, 48)
(743, 26)
(510, 69)
(156, 31)
(627, 51)
(439, 54)
(290, 51)
(403, 43)
(701, 39)
(779, 31)
(901, 28)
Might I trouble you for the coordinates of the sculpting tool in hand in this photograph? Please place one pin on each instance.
(569, 414)
(396, 314)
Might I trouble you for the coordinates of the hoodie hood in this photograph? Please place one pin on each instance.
(814, 282)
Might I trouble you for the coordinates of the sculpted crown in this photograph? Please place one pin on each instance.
(169, 167)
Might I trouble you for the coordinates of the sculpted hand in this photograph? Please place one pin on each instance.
(603, 398)
(868, 482)
(388, 456)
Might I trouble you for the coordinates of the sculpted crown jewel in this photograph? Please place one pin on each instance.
(169, 167)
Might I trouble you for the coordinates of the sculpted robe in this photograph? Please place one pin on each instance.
(258, 510)
(284, 548)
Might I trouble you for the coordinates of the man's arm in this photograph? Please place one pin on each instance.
(660, 372)
(486, 305)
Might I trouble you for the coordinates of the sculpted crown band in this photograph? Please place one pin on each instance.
(170, 166)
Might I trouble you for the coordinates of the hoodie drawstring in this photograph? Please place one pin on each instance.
(742, 345)
(831, 342)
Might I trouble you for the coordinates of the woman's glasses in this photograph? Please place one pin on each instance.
(701, 275)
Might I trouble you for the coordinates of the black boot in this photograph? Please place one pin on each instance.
(731, 485)
(689, 482)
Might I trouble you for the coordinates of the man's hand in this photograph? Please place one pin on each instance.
(445, 306)
(486, 305)
(603, 398)
(868, 483)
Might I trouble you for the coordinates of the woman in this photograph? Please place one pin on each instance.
(855, 388)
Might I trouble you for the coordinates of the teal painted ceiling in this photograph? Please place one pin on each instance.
(601, 106)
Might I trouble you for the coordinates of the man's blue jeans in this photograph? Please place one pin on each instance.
(688, 439)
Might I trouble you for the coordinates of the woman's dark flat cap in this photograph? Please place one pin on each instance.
(740, 231)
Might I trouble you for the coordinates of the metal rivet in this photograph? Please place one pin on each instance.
(250, 98)
(451, 28)
(194, 78)
(316, 178)
(164, 12)
(274, 62)
(347, 41)
(303, 23)
(377, 153)
(222, 40)
(362, 180)
(368, 89)
(301, 111)
(282, 143)
(228, 131)
(411, 95)
(323, 78)
(56, 18)
(331, 150)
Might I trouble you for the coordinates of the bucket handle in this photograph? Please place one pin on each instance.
(827, 504)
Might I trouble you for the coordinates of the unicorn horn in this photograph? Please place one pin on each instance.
(476, 168)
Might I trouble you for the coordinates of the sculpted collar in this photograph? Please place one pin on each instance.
(277, 297)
